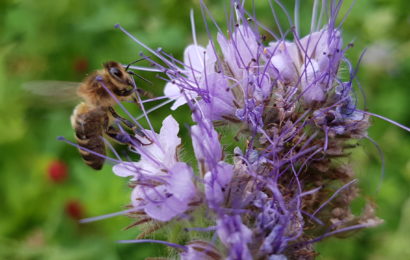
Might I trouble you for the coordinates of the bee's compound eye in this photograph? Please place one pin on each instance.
(116, 72)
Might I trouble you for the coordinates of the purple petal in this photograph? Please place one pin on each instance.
(216, 182)
(166, 201)
(206, 144)
(194, 59)
(173, 91)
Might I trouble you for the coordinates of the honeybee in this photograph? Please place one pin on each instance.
(95, 116)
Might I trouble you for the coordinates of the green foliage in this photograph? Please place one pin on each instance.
(64, 40)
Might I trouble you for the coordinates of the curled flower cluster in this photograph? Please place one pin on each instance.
(287, 183)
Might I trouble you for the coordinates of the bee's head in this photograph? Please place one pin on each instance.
(122, 82)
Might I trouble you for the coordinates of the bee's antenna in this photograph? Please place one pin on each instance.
(141, 77)
(135, 74)
(135, 62)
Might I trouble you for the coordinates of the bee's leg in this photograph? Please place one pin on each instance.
(127, 123)
(136, 129)
(126, 138)
(135, 100)
(121, 137)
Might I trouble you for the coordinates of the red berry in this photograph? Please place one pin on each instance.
(74, 209)
(57, 171)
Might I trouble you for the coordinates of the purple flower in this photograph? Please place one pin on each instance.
(197, 60)
(157, 157)
(283, 187)
(169, 196)
(310, 63)
(207, 148)
(232, 85)
(217, 182)
(236, 236)
(219, 101)
(164, 186)
(241, 50)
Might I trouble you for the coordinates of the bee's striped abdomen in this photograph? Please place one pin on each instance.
(88, 124)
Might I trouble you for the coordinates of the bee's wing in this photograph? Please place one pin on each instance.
(53, 92)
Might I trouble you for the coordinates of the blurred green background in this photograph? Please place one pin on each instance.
(44, 186)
